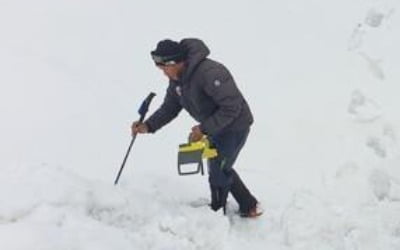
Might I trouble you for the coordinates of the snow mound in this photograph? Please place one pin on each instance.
(50, 208)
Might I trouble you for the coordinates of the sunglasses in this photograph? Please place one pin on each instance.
(164, 60)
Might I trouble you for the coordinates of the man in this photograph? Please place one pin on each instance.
(206, 89)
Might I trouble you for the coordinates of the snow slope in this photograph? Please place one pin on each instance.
(323, 156)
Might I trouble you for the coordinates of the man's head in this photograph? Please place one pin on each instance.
(169, 56)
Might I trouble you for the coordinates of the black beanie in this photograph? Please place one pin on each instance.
(169, 50)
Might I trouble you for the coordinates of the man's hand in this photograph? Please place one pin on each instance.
(139, 127)
(196, 134)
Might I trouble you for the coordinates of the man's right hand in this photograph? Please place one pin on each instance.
(139, 127)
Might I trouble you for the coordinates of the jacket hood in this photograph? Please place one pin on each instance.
(196, 51)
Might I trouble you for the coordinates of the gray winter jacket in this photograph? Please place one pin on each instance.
(207, 91)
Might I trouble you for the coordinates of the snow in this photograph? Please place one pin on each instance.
(323, 155)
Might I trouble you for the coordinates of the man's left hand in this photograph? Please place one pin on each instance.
(196, 134)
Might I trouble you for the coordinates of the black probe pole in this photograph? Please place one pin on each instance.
(142, 111)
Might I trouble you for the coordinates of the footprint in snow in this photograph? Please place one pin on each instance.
(363, 109)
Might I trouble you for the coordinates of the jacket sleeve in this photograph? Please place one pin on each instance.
(168, 110)
(221, 87)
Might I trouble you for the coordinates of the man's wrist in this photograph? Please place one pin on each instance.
(149, 127)
(202, 130)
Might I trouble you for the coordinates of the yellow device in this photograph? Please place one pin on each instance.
(194, 153)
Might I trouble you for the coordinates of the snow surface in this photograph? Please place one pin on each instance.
(323, 157)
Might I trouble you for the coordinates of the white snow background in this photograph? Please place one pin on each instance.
(323, 156)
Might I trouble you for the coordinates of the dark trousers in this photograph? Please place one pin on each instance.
(222, 177)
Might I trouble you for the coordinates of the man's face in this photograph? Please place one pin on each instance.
(172, 71)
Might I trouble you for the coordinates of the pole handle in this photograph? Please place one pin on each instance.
(145, 106)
